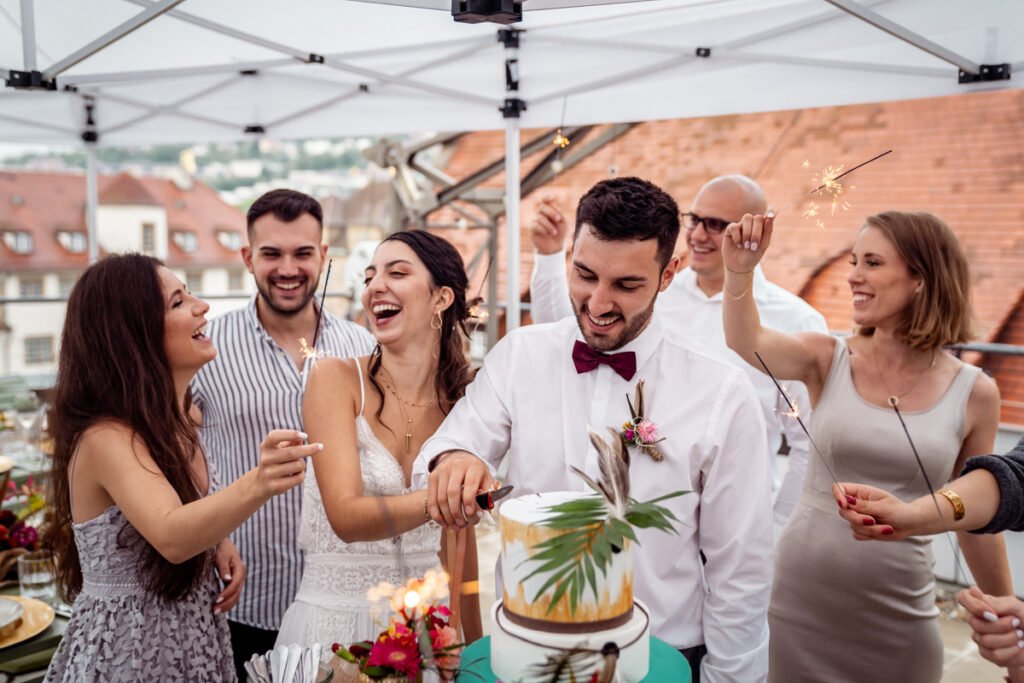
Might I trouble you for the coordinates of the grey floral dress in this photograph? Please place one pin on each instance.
(118, 632)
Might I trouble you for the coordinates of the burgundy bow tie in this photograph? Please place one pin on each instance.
(587, 359)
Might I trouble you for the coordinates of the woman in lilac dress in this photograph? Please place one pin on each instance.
(139, 526)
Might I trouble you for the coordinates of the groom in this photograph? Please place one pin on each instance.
(543, 385)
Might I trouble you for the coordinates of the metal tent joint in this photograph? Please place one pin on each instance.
(494, 11)
(89, 133)
(512, 108)
(314, 58)
(509, 37)
(29, 80)
(986, 72)
(704, 52)
(255, 129)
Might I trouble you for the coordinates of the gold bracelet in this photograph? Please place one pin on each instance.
(956, 501)
(737, 297)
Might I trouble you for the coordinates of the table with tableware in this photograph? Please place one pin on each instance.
(29, 645)
(666, 663)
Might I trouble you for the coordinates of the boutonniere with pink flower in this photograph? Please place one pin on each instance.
(638, 431)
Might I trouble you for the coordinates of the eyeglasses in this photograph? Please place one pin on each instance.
(713, 226)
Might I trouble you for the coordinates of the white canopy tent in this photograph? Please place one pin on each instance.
(128, 72)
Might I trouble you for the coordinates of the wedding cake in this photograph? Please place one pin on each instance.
(553, 612)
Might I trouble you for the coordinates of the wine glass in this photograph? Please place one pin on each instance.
(28, 417)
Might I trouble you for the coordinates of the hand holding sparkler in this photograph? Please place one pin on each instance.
(549, 227)
(745, 243)
(995, 621)
(282, 462)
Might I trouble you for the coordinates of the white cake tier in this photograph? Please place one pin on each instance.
(516, 651)
(521, 531)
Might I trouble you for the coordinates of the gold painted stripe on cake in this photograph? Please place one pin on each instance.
(588, 611)
(567, 627)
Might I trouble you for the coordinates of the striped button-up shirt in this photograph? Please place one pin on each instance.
(251, 388)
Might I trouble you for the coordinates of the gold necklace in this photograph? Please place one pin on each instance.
(401, 406)
(894, 399)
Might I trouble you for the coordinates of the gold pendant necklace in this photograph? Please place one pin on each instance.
(401, 406)
(894, 399)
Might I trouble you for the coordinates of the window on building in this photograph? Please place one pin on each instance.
(38, 350)
(148, 238)
(72, 241)
(186, 241)
(194, 281)
(19, 241)
(30, 286)
(236, 280)
(65, 283)
(230, 239)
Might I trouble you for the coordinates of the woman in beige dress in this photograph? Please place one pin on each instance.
(843, 610)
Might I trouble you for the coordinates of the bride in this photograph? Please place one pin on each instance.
(361, 524)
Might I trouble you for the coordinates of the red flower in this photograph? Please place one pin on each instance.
(399, 653)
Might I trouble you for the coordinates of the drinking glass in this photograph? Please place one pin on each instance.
(36, 576)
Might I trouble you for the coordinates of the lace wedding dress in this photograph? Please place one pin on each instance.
(331, 605)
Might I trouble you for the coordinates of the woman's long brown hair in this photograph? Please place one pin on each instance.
(113, 368)
(446, 270)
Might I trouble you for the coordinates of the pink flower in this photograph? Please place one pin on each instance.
(630, 435)
(441, 638)
(398, 652)
(648, 431)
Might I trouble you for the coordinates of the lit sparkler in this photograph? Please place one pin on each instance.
(794, 412)
(311, 352)
(560, 140)
(827, 181)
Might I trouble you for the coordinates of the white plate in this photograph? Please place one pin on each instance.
(10, 611)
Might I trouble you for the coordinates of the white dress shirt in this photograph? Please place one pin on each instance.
(529, 403)
(689, 310)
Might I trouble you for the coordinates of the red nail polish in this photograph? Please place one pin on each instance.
(888, 531)
(851, 500)
(867, 521)
(839, 504)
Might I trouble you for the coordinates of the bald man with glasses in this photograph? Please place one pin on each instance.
(693, 304)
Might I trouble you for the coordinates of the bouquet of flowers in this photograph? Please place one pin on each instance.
(15, 531)
(17, 535)
(418, 636)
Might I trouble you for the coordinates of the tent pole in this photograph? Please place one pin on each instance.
(28, 34)
(512, 223)
(91, 200)
(492, 283)
(511, 111)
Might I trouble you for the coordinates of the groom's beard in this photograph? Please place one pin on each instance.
(630, 331)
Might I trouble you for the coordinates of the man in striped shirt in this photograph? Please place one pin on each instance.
(255, 385)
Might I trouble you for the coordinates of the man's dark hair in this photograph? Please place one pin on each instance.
(631, 209)
(285, 205)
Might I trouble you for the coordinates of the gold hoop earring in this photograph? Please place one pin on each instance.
(439, 321)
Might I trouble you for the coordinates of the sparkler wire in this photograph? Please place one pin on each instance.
(830, 181)
(848, 172)
(323, 301)
(928, 483)
(796, 414)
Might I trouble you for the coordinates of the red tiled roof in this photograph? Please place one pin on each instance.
(960, 157)
(45, 203)
(126, 189)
